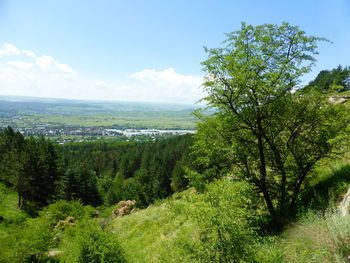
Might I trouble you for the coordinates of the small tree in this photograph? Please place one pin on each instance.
(261, 130)
(114, 194)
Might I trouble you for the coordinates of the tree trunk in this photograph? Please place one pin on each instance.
(263, 184)
(20, 201)
(279, 163)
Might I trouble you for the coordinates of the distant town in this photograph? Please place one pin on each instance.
(67, 133)
(65, 121)
(44, 131)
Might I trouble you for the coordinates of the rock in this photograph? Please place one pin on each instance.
(54, 253)
(96, 213)
(344, 204)
(338, 99)
(69, 221)
(124, 208)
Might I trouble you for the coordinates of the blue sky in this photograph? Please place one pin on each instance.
(142, 50)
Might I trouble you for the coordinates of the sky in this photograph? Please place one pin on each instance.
(142, 50)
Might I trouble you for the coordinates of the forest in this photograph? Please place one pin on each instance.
(261, 180)
(96, 173)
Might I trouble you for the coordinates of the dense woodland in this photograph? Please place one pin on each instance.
(259, 181)
(96, 173)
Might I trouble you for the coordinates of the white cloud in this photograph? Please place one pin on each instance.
(9, 50)
(21, 64)
(169, 85)
(22, 72)
(28, 53)
(49, 64)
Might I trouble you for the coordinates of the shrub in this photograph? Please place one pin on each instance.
(31, 241)
(87, 242)
(62, 209)
(226, 222)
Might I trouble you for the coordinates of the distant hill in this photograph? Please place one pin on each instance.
(19, 111)
(106, 105)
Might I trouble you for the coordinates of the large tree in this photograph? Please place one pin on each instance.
(263, 131)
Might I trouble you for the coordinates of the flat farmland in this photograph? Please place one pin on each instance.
(24, 112)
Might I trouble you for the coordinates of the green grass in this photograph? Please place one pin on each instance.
(135, 120)
(165, 232)
(160, 233)
(330, 182)
(315, 238)
(320, 234)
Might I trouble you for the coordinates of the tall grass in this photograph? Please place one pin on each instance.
(317, 237)
(328, 187)
(161, 233)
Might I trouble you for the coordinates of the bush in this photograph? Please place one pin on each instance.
(87, 242)
(28, 243)
(226, 223)
(62, 209)
(32, 241)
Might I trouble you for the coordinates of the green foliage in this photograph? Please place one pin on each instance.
(79, 182)
(164, 232)
(104, 183)
(178, 179)
(225, 217)
(186, 227)
(41, 173)
(145, 171)
(329, 186)
(10, 213)
(31, 241)
(262, 131)
(87, 242)
(29, 166)
(114, 194)
(314, 238)
(60, 210)
(337, 79)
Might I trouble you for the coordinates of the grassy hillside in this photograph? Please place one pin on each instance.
(169, 230)
(321, 233)
(161, 233)
(166, 232)
(314, 238)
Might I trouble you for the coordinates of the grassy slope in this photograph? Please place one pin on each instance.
(160, 233)
(164, 232)
(314, 238)
(321, 234)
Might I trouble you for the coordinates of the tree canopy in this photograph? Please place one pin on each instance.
(263, 131)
